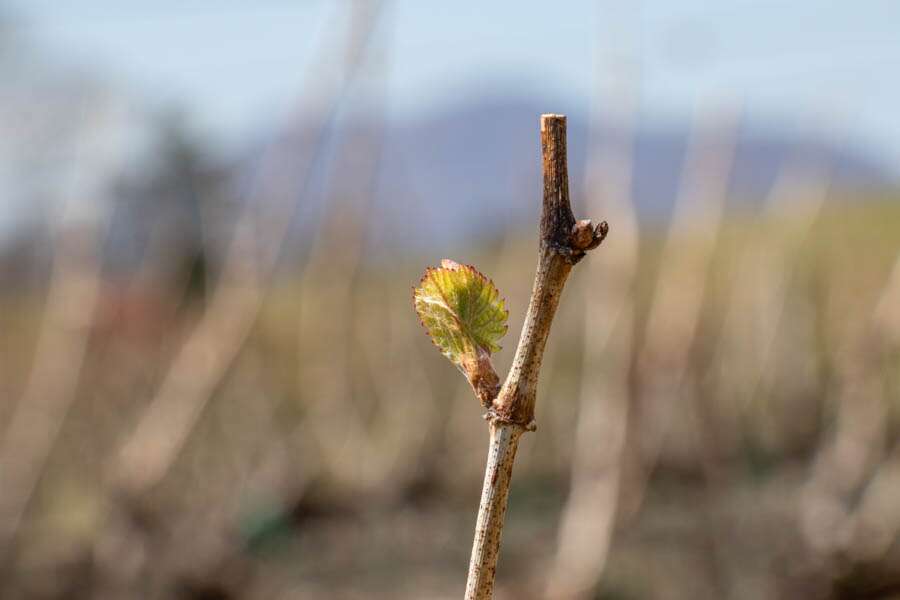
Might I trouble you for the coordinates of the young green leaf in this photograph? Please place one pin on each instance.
(465, 316)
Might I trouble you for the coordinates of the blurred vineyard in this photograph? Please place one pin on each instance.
(745, 448)
(214, 386)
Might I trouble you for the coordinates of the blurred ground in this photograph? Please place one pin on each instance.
(340, 457)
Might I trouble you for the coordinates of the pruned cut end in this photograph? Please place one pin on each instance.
(547, 117)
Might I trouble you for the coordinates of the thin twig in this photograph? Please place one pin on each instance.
(759, 295)
(674, 316)
(563, 243)
(329, 285)
(845, 466)
(53, 383)
(75, 285)
(588, 518)
(759, 291)
(205, 357)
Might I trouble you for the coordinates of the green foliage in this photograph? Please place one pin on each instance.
(462, 311)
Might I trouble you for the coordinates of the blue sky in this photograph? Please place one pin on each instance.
(234, 64)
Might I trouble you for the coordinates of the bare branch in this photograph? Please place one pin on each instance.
(588, 519)
(212, 347)
(673, 320)
(75, 286)
(53, 382)
(563, 243)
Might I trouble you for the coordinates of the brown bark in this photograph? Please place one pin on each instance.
(563, 243)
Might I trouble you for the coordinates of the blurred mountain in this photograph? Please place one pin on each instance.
(476, 166)
(473, 169)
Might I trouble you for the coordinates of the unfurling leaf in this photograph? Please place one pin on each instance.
(466, 318)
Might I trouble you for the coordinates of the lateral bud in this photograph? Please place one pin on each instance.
(582, 234)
